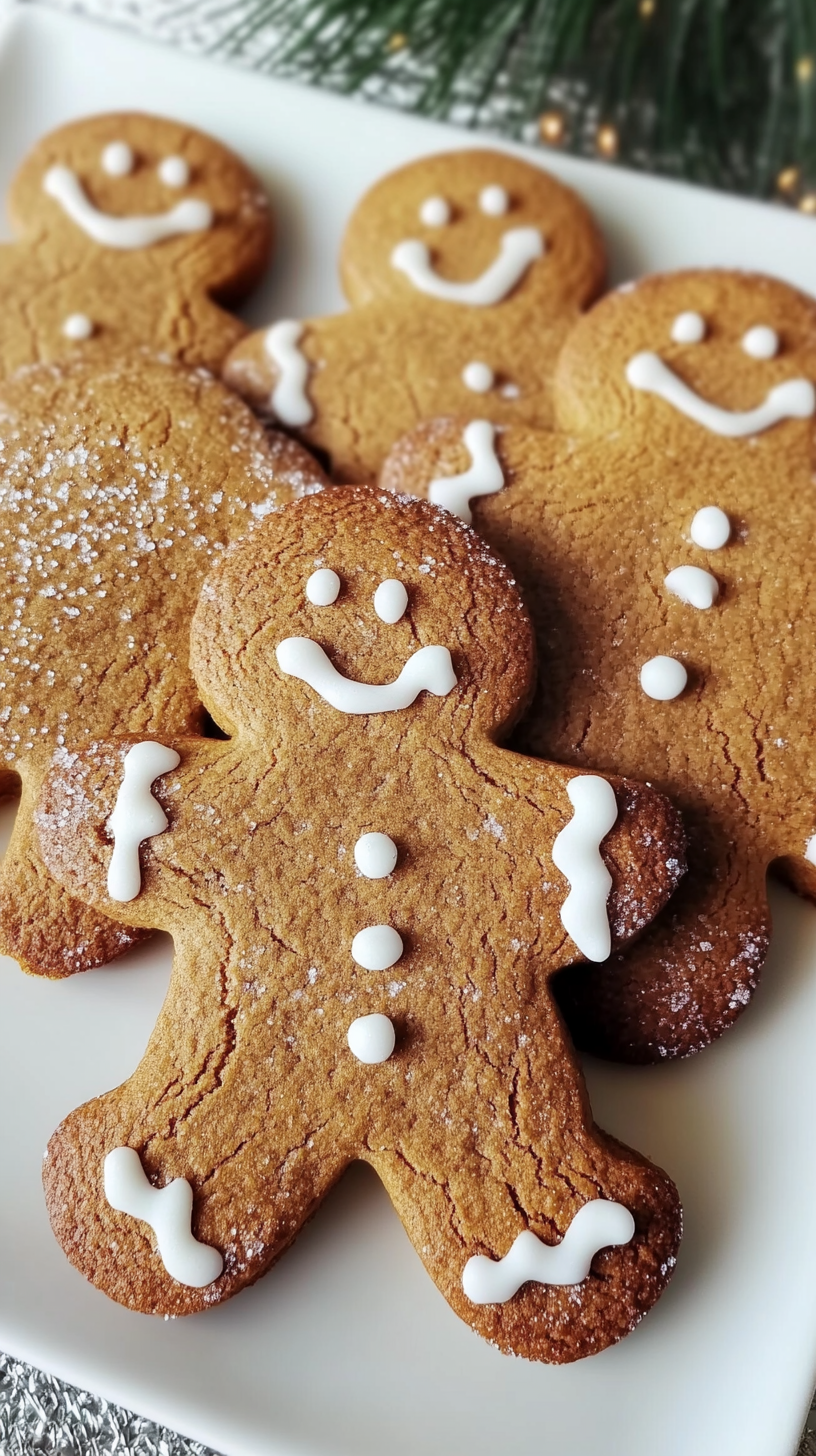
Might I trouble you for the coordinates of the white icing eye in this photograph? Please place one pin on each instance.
(710, 528)
(688, 328)
(435, 212)
(117, 159)
(77, 326)
(174, 172)
(478, 376)
(323, 587)
(494, 200)
(390, 600)
(761, 342)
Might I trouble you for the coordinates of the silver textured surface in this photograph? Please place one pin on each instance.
(40, 1415)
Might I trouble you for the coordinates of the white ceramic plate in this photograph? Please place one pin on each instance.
(346, 1349)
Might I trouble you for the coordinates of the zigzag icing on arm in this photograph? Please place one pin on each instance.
(136, 815)
(577, 854)
(168, 1211)
(429, 670)
(289, 400)
(485, 476)
(598, 1225)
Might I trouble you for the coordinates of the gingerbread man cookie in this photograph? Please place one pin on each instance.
(117, 488)
(368, 898)
(464, 272)
(664, 542)
(131, 230)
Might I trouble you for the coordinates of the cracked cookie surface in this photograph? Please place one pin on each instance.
(288, 851)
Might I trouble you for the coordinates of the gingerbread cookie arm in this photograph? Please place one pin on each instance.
(99, 817)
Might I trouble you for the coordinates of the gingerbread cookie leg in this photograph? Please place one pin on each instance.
(550, 1248)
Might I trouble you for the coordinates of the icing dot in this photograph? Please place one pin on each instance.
(494, 200)
(174, 172)
(117, 159)
(478, 377)
(761, 342)
(694, 586)
(78, 326)
(710, 528)
(688, 328)
(375, 855)
(323, 587)
(390, 600)
(371, 1038)
(377, 947)
(435, 212)
(663, 678)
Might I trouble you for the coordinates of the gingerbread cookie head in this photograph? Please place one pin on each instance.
(479, 229)
(464, 273)
(356, 626)
(118, 488)
(704, 356)
(130, 182)
(368, 898)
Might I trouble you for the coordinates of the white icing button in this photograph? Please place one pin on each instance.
(117, 159)
(174, 172)
(168, 1211)
(371, 1038)
(435, 212)
(375, 855)
(694, 586)
(761, 342)
(136, 815)
(576, 852)
(494, 200)
(390, 600)
(710, 528)
(377, 948)
(598, 1225)
(323, 587)
(663, 678)
(78, 326)
(688, 328)
(478, 377)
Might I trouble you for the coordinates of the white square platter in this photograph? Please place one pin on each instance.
(345, 1348)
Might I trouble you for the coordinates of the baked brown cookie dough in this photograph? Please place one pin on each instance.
(664, 543)
(464, 272)
(131, 229)
(118, 488)
(364, 894)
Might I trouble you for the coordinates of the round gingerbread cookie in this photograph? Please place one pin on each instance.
(368, 898)
(464, 272)
(118, 488)
(131, 229)
(664, 541)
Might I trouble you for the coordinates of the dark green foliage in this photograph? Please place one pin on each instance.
(718, 91)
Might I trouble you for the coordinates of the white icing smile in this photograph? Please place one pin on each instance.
(795, 399)
(519, 248)
(429, 670)
(190, 216)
